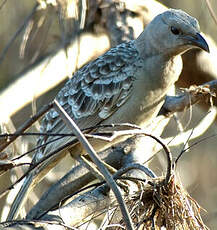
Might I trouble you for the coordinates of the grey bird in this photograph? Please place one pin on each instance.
(126, 84)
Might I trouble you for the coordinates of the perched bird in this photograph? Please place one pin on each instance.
(126, 84)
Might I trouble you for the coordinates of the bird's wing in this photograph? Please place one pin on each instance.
(95, 92)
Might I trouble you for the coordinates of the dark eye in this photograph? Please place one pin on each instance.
(174, 30)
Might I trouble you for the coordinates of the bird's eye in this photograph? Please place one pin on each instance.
(174, 30)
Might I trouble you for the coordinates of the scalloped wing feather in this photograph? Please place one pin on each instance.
(95, 91)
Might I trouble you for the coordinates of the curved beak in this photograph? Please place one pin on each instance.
(200, 42)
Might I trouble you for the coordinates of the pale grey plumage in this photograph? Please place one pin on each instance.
(126, 84)
(96, 91)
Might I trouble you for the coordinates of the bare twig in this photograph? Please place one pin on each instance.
(169, 158)
(114, 134)
(67, 119)
(185, 147)
(6, 165)
(2, 4)
(189, 97)
(137, 166)
(4, 192)
(83, 13)
(196, 143)
(26, 125)
(42, 224)
(104, 190)
(211, 11)
(91, 167)
(5, 50)
(198, 130)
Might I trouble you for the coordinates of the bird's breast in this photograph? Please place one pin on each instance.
(151, 84)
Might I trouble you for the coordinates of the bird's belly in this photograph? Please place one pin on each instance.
(138, 111)
(133, 115)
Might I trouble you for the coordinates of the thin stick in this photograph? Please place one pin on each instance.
(179, 103)
(169, 158)
(140, 131)
(137, 166)
(34, 149)
(2, 4)
(191, 146)
(5, 50)
(19, 223)
(184, 147)
(109, 179)
(33, 166)
(26, 125)
(211, 11)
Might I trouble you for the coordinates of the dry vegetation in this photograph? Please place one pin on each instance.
(66, 34)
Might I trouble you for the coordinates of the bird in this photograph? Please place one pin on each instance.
(127, 84)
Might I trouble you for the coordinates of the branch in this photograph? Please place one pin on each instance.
(189, 97)
(91, 152)
(24, 127)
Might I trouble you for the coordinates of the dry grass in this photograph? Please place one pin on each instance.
(168, 205)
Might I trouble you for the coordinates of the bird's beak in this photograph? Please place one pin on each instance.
(200, 42)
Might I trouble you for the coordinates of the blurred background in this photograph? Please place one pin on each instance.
(43, 36)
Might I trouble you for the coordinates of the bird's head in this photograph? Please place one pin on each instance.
(172, 32)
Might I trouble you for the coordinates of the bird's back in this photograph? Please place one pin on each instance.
(94, 93)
